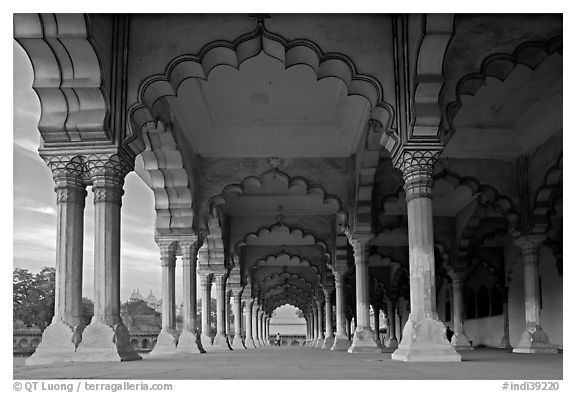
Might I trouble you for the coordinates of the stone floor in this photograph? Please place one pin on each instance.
(305, 363)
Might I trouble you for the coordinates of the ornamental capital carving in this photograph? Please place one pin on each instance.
(205, 279)
(360, 243)
(530, 243)
(66, 166)
(417, 167)
(107, 165)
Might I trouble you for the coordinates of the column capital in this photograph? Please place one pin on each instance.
(457, 277)
(529, 243)
(205, 278)
(417, 166)
(328, 291)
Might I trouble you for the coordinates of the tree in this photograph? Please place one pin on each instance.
(33, 296)
(87, 310)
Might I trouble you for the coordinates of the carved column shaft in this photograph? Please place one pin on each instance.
(418, 186)
(255, 308)
(206, 287)
(362, 290)
(340, 305)
(189, 286)
(107, 188)
(249, 324)
(458, 300)
(391, 321)
(237, 299)
(220, 281)
(328, 313)
(168, 260)
(70, 202)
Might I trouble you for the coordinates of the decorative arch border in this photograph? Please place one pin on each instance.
(295, 184)
(290, 53)
(234, 53)
(292, 232)
(530, 54)
(491, 202)
(546, 194)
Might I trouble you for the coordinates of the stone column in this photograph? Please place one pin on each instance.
(505, 342)
(220, 340)
(249, 340)
(363, 340)
(341, 341)
(459, 340)
(206, 287)
(392, 342)
(237, 341)
(106, 338)
(329, 339)
(260, 326)
(255, 308)
(189, 340)
(377, 325)
(266, 332)
(319, 329)
(168, 337)
(60, 339)
(533, 339)
(424, 336)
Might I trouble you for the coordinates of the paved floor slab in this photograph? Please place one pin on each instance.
(305, 363)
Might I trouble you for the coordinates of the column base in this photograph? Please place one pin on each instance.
(328, 342)
(319, 343)
(425, 341)
(237, 342)
(341, 343)
(165, 343)
(363, 341)
(461, 342)
(59, 342)
(221, 343)
(206, 341)
(505, 343)
(104, 343)
(534, 340)
(249, 343)
(189, 342)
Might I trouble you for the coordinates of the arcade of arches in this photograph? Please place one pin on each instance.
(405, 164)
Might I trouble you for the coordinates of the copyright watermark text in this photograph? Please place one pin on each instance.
(85, 386)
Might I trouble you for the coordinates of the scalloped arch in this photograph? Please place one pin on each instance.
(288, 236)
(284, 259)
(499, 66)
(233, 53)
(276, 182)
(547, 194)
(495, 204)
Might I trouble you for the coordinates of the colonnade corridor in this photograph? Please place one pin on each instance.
(300, 362)
(396, 178)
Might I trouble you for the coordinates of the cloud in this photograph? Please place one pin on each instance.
(42, 209)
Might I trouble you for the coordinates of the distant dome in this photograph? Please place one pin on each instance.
(152, 299)
(136, 295)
